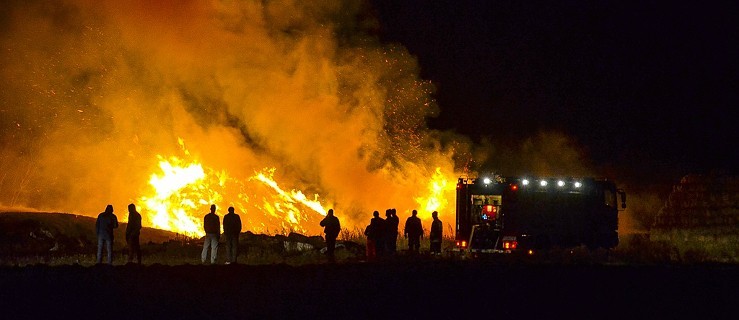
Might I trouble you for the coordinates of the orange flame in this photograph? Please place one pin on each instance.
(439, 190)
(179, 192)
(292, 196)
(183, 191)
(284, 204)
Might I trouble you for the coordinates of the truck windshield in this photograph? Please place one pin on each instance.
(485, 208)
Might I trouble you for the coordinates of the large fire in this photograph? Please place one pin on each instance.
(174, 192)
(183, 190)
(180, 193)
(289, 108)
(438, 190)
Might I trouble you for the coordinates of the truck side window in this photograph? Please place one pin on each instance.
(610, 198)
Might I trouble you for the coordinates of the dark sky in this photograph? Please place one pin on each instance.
(649, 86)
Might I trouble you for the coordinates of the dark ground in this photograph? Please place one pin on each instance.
(410, 289)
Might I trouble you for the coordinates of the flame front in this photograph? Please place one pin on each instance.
(183, 191)
(180, 191)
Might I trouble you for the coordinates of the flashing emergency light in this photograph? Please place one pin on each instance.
(489, 211)
(489, 208)
(510, 244)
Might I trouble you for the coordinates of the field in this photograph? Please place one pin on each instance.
(274, 280)
(416, 289)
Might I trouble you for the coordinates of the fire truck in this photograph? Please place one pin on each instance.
(499, 214)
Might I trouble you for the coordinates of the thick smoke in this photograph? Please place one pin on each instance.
(94, 91)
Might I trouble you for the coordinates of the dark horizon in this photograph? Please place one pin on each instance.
(645, 89)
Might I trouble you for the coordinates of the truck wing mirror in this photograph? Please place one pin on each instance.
(623, 198)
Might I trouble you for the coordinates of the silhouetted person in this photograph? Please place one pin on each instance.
(104, 225)
(374, 232)
(133, 230)
(435, 234)
(331, 227)
(391, 239)
(232, 230)
(212, 227)
(413, 232)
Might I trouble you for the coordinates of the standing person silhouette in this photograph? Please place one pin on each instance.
(331, 227)
(232, 230)
(435, 234)
(133, 230)
(212, 227)
(374, 232)
(392, 231)
(104, 225)
(413, 232)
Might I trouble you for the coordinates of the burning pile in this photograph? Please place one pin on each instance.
(287, 109)
(182, 189)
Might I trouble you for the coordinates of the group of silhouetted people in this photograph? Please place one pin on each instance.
(104, 225)
(382, 234)
(231, 231)
(107, 221)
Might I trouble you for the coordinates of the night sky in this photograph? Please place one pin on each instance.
(647, 88)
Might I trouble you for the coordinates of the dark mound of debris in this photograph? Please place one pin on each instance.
(701, 201)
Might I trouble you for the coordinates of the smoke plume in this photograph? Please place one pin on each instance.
(97, 93)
